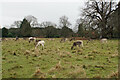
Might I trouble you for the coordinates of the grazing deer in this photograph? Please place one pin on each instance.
(63, 40)
(16, 38)
(40, 43)
(72, 39)
(104, 40)
(32, 39)
(80, 42)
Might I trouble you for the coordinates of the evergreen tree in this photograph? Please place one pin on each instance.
(4, 32)
(25, 29)
(66, 32)
(80, 30)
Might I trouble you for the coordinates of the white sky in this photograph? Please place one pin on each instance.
(43, 10)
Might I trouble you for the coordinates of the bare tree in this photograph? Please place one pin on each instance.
(97, 13)
(64, 22)
(47, 23)
(16, 24)
(32, 20)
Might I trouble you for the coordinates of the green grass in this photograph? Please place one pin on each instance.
(21, 60)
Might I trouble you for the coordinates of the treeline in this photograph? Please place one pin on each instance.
(26, 30)
(50, 31)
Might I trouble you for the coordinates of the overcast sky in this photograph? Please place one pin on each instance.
(43, 10)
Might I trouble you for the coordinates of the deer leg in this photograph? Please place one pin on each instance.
(79, 45)
(42, 46)
(29, 41)
(36, 46)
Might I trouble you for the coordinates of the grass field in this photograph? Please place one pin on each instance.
(20, 59)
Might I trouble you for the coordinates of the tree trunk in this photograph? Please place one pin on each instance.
(104, 31)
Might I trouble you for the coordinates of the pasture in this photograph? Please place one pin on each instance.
(20, 59)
